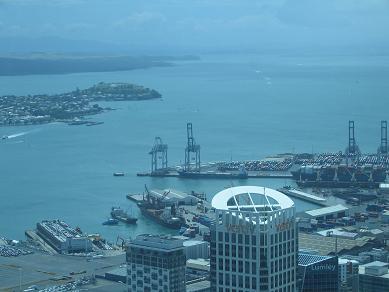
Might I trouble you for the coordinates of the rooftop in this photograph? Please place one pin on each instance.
(306, 259)
(162, 242)
(303, 194)
(251, 199)
(325, 245)
(198, 286)
(326, 210)
(345, 261)
(337, 232)
(376, 269)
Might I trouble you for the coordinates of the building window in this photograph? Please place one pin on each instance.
(254, 253)
(254, 283)
(233, 280)
(240, 281)
(240, 251)
(247, 267)
(247, 282)
(247, 239)
(240, 238)
(240, 265)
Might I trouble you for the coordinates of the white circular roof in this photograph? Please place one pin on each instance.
(251, 199)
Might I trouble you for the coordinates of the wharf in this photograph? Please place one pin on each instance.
(32, 235)
(304, 196)
(211, 175)
(188, 211)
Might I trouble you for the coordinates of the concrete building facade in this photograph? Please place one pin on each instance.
(155, 264)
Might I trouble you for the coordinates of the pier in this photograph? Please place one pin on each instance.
(304, 196)
(218, 175)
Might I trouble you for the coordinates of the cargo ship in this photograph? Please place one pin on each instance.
(241, 174)
(165, 217)
(344, 176)
(119, 214)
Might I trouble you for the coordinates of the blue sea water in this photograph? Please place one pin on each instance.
(241, 107)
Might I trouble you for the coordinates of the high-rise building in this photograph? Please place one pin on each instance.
(348, 274)
(254, 241)
(317, 273)
(374, 277)
(155, 264)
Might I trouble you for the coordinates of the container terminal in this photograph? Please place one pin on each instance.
(345, 169)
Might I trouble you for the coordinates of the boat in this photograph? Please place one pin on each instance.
(165, 217)
(339, 176)
(111, 221)
(94, 123)
(118, 174)
(4, 137)
(121, 215)
(212, 174)
(77, 122)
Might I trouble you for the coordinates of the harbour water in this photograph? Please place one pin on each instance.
(241, 107)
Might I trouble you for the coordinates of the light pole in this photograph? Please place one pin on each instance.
(330, 234)
(20, 278)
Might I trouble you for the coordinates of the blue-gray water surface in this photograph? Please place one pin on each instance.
(241, 107)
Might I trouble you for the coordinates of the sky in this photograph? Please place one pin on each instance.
(195, 26)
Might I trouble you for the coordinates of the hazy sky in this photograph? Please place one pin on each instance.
(203, 25)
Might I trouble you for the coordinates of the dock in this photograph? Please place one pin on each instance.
(220, 175)
(193, 209)
(304, 196)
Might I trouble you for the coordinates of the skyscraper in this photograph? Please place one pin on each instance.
(254, 241)
(155, 264)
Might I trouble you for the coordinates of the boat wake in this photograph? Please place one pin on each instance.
(16, 135)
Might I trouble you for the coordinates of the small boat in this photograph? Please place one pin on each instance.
(119, 214)
(118, 174)
(94, 123)
(4, 137)
(111, 221)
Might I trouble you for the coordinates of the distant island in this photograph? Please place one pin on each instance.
(71, 107)
(66, 64)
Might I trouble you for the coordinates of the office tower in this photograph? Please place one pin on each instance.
(254, 241)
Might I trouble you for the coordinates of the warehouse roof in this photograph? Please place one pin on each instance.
(326, 245)
(326, 210)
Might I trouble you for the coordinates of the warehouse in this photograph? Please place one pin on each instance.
(332, 212)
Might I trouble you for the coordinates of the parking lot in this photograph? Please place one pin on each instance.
(48, 270)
